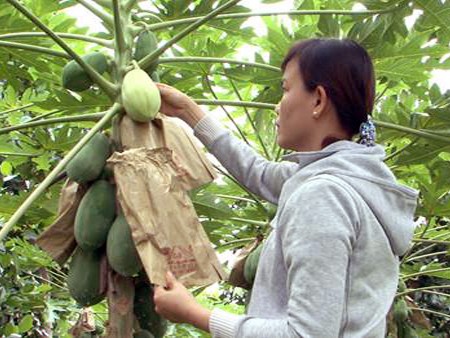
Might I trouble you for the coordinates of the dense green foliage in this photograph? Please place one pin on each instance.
(40, 122)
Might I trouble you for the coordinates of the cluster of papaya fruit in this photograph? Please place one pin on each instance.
(139, 94)
(100, 228)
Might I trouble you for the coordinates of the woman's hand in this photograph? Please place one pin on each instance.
(176, 303)
(175, 103)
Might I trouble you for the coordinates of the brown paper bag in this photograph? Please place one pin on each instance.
(165, 227)
(58, 239)
(194, 168)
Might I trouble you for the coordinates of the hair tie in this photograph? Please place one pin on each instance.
(367, 133)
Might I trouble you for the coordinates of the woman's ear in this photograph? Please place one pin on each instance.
(322, 99)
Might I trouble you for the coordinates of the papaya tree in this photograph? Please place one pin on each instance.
(207, 49)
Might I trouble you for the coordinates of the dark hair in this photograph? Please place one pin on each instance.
(344, 69)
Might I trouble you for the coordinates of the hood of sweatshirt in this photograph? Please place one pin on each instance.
(363, 169)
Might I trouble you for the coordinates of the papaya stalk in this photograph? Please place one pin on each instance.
(174, 23)
(109, 88)
(54, 173)
(119, 34)
(146, 61)
(87, 38)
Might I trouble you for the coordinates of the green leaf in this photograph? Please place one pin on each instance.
(26, 323)
(206, 204)
(6, 168)
(10, 329)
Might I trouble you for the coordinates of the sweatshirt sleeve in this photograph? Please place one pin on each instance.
(317, 230)
(261, 176)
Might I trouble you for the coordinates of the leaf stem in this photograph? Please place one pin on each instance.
(36, 49)
(200, 59)
(39, 117)
(426, 255)
(236, 198)
(430, 311)
(87, 38)
(105, 17)
(174, 23)
(412, 131)
(65, 119)
(108, 87)
(425, 272)
(5, 112)
(419, 240)
(433, 287)
(249, 118)
(244, 188)
(237, 241)
(6, 153)
(248, 221)
(211, 89)
(251, 104)
(146, 61)
(61, 165)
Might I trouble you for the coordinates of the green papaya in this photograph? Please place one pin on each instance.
(99, 329)
(144, 310)
(83, 279)
(400, 310)
(146, 43)
(95, 215)
(143, 334)
(251, 264)
(75, 78)
(89, 162)
(140, 96)
(120, 249)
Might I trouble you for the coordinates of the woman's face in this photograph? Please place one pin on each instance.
(295, 122)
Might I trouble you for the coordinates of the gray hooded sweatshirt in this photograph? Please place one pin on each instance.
(329, 267)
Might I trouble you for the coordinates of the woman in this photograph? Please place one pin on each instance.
(330, 265)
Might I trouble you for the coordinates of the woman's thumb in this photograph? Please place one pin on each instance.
(170, 280)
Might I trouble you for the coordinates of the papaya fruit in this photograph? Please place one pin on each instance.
(120, 249)
(83, 279)
(89, 162)
(74, 76)
(143, 334)
(400, 310)
(251, 264)
(95, 215)
(144, 310)
(146, 44)
(140, 96)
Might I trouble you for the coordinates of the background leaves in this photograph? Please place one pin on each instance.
(407, 42)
